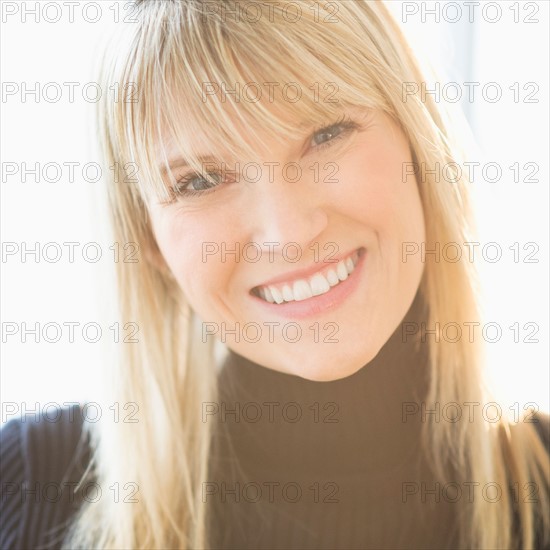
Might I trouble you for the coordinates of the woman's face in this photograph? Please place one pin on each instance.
(303, 275)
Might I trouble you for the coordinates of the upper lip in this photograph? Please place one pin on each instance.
(307, 272)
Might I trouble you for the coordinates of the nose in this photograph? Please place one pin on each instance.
(286, 209)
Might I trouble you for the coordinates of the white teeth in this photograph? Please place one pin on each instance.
(319, 285)
(341, 271)
(332, 278)
(288, 296)
(268, 296)
(277, 296)
(302, 291)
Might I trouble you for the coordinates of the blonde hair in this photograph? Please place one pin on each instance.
(174, 48)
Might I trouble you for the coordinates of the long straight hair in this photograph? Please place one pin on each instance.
(161, 62)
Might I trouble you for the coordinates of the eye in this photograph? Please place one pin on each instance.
(197, 184)
(326, 135)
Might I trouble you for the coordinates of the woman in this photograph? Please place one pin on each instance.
(280, 185)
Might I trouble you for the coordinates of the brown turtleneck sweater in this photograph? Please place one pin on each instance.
(304, 464)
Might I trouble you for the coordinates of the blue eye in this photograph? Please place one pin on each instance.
(197, 182)
(327, 135)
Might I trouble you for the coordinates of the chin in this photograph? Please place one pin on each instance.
(327, 366)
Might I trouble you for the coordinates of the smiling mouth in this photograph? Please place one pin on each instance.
(317, 284)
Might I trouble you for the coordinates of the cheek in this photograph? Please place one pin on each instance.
(378, 195)
(388, 207)
(191, 244)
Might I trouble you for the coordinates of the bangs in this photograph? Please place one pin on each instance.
(210, 85)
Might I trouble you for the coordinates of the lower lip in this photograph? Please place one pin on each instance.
(317, 305)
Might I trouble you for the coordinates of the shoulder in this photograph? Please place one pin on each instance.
(42, 458)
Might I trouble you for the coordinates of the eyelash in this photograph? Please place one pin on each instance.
(346, 124)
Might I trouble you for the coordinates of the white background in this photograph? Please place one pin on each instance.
(503, 51)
